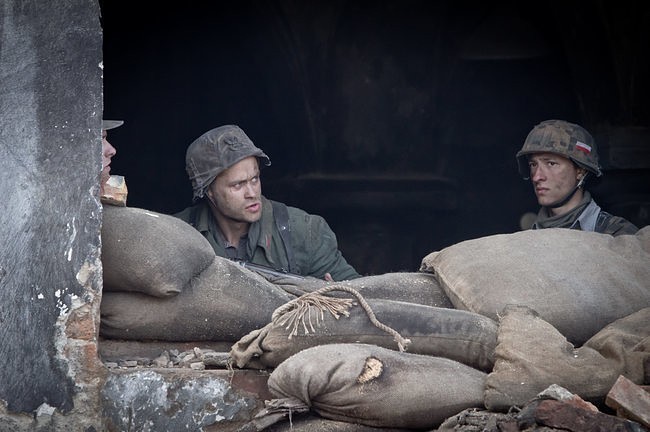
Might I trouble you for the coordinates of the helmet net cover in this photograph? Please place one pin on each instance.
(563, 138)
(214, 152)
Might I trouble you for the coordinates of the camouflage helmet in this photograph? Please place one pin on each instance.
(563, 138)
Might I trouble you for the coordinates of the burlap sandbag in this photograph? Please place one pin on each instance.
(374, 386)
(458, 335)
(531, 355)
(223, 303)
(412, 287)
(577, 281)
(314, 423)
(148, 252)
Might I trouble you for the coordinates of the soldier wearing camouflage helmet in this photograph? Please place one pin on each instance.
(223, 165)
(558, 157)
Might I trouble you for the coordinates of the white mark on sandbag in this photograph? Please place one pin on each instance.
(371, 369)
(151, 214)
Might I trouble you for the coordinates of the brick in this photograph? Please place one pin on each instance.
(562, 415)
(630, 401)
(115, 191)
(80, 324)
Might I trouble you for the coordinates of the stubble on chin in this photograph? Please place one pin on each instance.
(254, 217)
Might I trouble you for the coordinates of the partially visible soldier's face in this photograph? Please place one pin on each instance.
(108, 151)
(553, 176)
(236, 192)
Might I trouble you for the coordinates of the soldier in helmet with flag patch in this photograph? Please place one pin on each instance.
(558, 157)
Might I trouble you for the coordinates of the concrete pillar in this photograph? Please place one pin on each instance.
(50, 217)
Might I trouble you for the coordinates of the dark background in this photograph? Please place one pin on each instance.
(397, 121)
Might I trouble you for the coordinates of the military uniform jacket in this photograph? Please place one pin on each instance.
(284, 238)
(593, 218)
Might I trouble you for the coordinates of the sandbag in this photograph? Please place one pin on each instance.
(223, 303)
(577, 281)
(531, 355)
(458, 335)
(151, 253)
(412, 287)
(310, 422)
(374, 386)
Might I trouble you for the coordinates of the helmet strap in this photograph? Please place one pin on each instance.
(566, 199)
(212, 201)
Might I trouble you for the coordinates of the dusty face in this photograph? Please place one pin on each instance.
(236, 193)
(553, 177)
(108, 151)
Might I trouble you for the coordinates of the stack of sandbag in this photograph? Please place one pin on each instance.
(373, 386)
(577, 281)
(365, 384)
(315, 319)
(163, 281)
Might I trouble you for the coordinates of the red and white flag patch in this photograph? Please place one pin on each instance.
(583, 147)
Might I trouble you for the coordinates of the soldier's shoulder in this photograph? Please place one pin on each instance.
(615, 225)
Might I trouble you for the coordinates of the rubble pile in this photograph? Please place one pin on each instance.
(195, 359)
(556, 409)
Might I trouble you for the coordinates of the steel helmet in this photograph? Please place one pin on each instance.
(111, 124)
(560, 137)
(214, 152)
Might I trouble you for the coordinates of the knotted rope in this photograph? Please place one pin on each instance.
(298, 312)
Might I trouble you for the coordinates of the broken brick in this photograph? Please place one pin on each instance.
(566, 416)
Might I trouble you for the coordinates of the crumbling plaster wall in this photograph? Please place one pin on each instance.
(50, 268)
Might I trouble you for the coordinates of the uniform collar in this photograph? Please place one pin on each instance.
(260, 233)
(571, 219)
